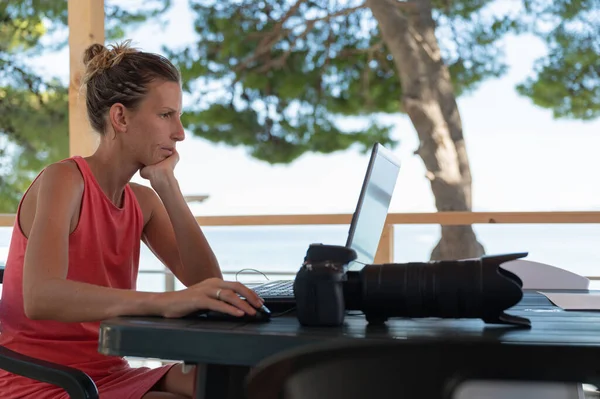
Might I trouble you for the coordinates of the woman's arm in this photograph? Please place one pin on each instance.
(47, 294)
(172, 232)
(175, 237)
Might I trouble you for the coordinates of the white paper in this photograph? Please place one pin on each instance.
(542, 276)
(569, 301)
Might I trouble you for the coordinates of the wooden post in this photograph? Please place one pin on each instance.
(86, 26)
(169, 281)
(385, 251)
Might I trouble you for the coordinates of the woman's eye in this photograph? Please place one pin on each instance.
(166, 115)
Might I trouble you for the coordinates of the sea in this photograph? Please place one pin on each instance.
(259, 253)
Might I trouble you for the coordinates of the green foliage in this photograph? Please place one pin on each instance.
(24, 22)
(119, 19)
(277, 141)
(282, 112)
(287, 74)
(567, 80)
(38, 131)
(281, 72)
(34, 110)
(275, 76)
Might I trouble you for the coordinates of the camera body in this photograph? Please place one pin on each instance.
(319, 285)
(471, 288)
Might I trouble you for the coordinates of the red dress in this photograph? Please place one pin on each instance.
(104, 249)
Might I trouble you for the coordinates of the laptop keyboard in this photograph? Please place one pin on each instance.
(280, 288)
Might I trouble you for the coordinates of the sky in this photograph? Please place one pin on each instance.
(521, 158)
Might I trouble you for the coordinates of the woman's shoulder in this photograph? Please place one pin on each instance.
(59, 188)
(142, 193)
(59, 181)
(65, 174)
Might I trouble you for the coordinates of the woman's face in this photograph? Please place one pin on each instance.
(154, 128)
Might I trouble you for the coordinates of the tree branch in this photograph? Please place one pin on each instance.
(279, 62)
(368, 50)
(9, 130)
(272, 37)
(32, 82)
(406, 5)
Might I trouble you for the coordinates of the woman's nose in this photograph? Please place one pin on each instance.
(179, 132)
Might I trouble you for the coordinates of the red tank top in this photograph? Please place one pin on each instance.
(104, 250)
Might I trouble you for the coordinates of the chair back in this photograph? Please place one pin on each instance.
(409, 369)
(76, 383)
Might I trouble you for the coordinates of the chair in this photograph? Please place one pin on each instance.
(409, 369)
(77, 384)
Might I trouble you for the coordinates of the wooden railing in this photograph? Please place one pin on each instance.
(385, 252)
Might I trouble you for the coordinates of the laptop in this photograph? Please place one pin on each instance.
(365, 230)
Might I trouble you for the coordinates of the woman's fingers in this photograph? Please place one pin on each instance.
(229, 296)
(244, 291)
(224, 296)
(223, 307)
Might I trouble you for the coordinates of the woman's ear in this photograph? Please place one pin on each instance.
(117, 117)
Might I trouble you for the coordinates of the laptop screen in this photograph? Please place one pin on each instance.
(373, 204)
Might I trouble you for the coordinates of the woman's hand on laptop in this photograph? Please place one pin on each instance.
(212, 294)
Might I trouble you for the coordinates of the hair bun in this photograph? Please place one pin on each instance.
(92, 51)
(98, 58)
(118, 51)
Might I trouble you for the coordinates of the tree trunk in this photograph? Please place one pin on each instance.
(408, 31)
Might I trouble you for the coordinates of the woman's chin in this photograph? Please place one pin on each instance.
(158, 159)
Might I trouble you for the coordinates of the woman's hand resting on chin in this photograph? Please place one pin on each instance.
(212, 294)
(160, 171)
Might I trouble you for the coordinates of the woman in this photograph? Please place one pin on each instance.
(74, 252)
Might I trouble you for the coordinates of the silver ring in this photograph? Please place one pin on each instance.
(219, 294)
